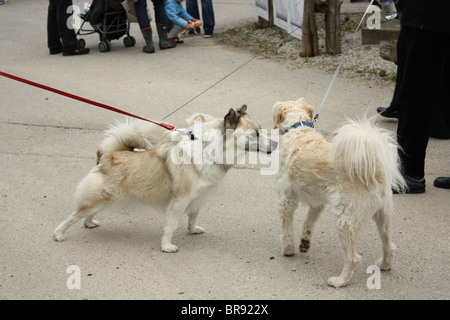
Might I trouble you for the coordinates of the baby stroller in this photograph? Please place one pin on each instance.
(109, 19)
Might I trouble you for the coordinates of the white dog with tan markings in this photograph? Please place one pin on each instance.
(354, 175)
(153, 174)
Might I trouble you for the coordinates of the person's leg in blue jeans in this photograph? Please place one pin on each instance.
(144, 24)
(207, 14)
(162, 25)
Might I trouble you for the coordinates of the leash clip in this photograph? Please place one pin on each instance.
(189, 133)
(315, 119)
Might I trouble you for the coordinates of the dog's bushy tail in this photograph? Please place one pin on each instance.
(367, 153)
(130, 135)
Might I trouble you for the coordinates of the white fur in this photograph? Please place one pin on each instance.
(151, 175)
(353, 175)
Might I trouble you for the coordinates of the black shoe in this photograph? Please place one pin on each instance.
(208, 34)
(444, 135)
(55, 51)
(413, 185)
(388, 112)
(442, 182)
(76, 52)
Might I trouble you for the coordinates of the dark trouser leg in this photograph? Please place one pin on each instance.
(192, 9)
(57, 26)
(418, 94)
(208, 15)
(163, 24)
(53, 38)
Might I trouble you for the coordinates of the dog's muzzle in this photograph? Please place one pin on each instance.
(265, 144)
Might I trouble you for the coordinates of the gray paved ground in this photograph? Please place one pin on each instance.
(48, 144)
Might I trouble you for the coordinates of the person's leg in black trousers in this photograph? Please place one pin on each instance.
(441, 117)
(418, 98)
(392, 110)
(444, 120)
(59, 36)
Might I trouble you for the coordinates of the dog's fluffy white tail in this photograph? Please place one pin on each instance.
(129, 135)
(367, 153)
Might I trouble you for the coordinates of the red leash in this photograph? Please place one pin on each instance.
(72, 96)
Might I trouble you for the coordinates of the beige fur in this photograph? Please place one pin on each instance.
(353, 175)
(151, 175)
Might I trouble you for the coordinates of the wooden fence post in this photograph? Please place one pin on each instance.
(263, 23)
(310, 39)
(333, 27)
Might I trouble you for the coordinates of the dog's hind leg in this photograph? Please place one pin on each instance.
(308, 226)
(85, 213)
(58, 234)
(174, 212)
(347, 234)
(383, 220)
(193, 210)
(287, 207)
(91, 198)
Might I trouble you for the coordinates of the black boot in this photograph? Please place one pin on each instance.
(149, 48)
(164, 42)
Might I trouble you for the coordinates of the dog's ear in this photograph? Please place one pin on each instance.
(231, 119)
(277, 115)
(99, 156)
(242, 110)
(310, 112)
(197, 117)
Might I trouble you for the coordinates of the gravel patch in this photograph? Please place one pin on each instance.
(362, 61)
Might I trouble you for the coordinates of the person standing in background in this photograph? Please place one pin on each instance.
(207, 15)
(60, 37)
(425, 25)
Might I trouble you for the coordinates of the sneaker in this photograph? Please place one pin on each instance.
(176, 40)
(413, 185)
(208, 34)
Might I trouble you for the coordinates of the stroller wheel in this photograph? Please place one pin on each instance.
(81, 43)
(129, 41)
(104, 46)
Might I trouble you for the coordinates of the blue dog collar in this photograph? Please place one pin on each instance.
(299, 124)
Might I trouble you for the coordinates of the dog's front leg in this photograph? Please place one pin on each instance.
(175, 209)
(287, 208)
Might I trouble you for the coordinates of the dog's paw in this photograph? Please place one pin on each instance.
(59, 237)
(387, 260)
(336, 282)
(289, 250)
(196, 230)
(169, 248)
(304, 245)
(384, 266)
(91, 224)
